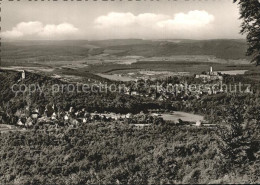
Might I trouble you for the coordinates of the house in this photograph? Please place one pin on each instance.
(114, 116)
(129, 115)
(54, 116)
(29, 122)
(35, 114)
(104, 118)
(248, 90)
(20, 123)
(77, 113)
(198, 123)
(127, 90)
(210, 92)
(71, 110)
(135, 93)
(66, 117)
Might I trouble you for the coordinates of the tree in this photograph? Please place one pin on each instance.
(238, 137)
(250, 13)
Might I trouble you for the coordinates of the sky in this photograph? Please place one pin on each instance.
(98, 20)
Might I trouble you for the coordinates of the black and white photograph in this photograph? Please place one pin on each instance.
(129, 92)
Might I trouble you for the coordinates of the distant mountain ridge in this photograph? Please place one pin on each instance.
(221, 48)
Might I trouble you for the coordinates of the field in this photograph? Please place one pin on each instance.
(116, 77)
(117, 59)
(183, 116)
(128, 72)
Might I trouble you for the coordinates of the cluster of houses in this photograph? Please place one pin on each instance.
(72, 117)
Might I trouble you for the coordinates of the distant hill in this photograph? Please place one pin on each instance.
(224, 49)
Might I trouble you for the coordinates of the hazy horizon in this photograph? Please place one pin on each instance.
(167, 39)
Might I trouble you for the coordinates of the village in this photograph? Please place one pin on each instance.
(52, 115)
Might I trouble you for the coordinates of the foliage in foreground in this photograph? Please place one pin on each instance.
(250, 13)
(117, 153)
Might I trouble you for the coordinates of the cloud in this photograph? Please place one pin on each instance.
(194, 23)
(193, 19)
(148, 19)
(115, 19)
(12, 34)
(61, 29)
(23, 28)
(36, 29)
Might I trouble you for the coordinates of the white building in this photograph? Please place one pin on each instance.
(23, 74)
